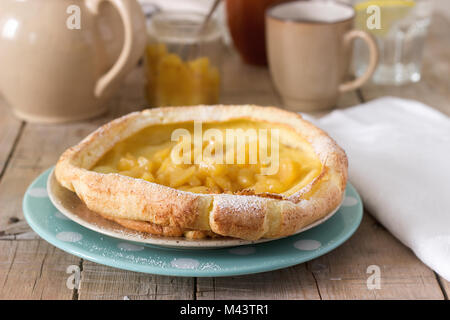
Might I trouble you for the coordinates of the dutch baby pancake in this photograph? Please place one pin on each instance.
(245, 171)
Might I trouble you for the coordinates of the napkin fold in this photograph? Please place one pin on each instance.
(399, 161)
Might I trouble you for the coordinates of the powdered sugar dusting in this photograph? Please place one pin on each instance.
(143, 257)
(210, 266)
(129, 247)
(242, 204)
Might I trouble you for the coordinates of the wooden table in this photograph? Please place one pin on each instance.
(30, 268)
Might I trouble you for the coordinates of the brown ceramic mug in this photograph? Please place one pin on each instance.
(309, 46)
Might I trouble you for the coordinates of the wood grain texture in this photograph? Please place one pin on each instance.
(343, 273)
(38, 149)
(34, 270)
(445, 287)
(105, 283)
(294, 283)
(245, 84)
(9, 130)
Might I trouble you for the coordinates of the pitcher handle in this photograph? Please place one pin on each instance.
(373, 59)
(122, 6)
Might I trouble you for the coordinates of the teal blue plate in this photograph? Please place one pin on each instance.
(73, 238)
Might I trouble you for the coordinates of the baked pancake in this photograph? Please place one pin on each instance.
(247, 172)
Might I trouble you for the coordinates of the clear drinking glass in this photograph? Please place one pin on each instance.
(400, 36)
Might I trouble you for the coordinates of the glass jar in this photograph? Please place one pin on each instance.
(400, 29)
(182, 60)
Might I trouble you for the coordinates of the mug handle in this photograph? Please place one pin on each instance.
(373, 59)
(122, 7)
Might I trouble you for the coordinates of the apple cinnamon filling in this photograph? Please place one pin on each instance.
(236, 156)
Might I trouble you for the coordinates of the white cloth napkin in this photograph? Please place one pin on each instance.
(399, 161)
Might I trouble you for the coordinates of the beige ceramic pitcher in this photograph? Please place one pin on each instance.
(60, 60)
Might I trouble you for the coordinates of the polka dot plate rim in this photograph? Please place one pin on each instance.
(67, 235)
(73, 208)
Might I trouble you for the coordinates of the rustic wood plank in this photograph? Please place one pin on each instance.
(38, 149)
(14, 229)
(445, 287)
(442, 7)
(342, 273)
(434, 88)
(291, 283)
(246, 84)
(101, 282)
(10, 128)
(34, 270)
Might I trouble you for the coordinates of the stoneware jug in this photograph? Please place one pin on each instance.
(60, 60)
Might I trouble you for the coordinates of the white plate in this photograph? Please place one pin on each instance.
(68, 203)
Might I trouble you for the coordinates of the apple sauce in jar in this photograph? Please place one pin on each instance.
(182, 60)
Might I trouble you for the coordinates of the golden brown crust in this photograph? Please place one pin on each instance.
(147, 227)
(242, 216)
(155, 229)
